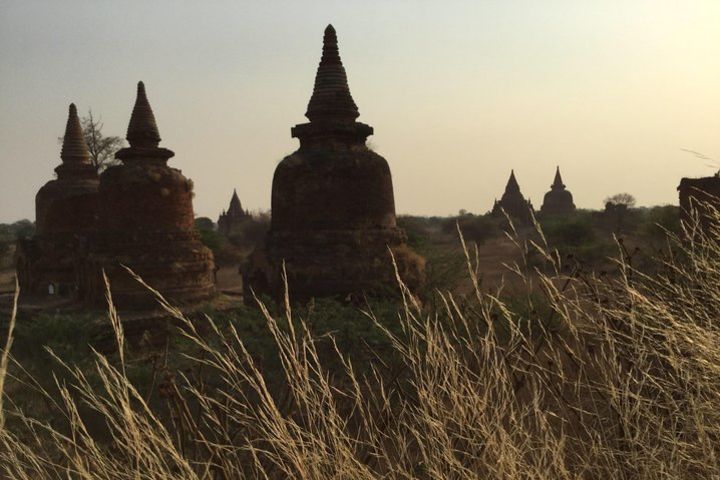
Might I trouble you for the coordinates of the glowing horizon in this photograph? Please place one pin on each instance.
(458, 94)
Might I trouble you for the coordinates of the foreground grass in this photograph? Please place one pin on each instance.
(582, 377)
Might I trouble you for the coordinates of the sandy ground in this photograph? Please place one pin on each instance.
(228, 280)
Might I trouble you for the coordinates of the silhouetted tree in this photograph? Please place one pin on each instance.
(102, 149)
(616, 209)
(621, 199)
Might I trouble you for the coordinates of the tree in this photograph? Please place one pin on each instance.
(102, 149)
(617, 208)
(204, 224)
(23, 228)
(621, 199)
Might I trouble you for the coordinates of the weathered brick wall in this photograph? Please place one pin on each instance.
(335, 189)
(698, 197)
(147, 224)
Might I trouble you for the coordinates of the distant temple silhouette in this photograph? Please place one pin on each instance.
(558, 201)
(146, 222)
(513, 203)
(235, 217)
(699, 204)
(65, 216)
(333, 208)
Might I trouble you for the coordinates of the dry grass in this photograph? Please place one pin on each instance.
(620, 379)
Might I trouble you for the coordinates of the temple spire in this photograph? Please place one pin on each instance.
(557, 183)
(512, 184)
(142, 130)
(235, 205)
(331, 98)
(74, 149)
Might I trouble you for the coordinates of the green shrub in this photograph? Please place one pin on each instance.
(475, 228)
(569, 231)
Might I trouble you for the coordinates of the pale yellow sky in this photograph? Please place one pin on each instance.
(459, 92)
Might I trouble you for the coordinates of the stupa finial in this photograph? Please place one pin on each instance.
(557, 182)
(142, 130)
(331, 98)
(74, 148)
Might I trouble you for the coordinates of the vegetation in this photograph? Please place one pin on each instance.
(624, 199)
(578, 376)
(10, 233)
(102, 148)
(232, 249)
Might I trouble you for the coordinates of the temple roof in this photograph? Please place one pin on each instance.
(235, 206)
(142, 130)
(74, 149)
(512, 186)
(331, 98)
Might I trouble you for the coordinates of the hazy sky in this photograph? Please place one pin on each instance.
(459, 92)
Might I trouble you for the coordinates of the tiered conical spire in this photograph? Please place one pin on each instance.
(557, 183)
(331, 98)
(512, 184)
(142, 130)
(74, 149)
(235, 206)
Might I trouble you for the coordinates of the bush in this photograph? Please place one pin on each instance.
(419, 230)
(569, 231)
(204, 224)
(475, 228)
(660, 220)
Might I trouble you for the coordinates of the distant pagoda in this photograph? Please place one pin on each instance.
(333, 208)
(65, 216)
(146, 223)
(230, 222)
(558, 201)
(699, 204)
(513, 203)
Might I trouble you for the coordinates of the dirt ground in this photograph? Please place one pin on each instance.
(229, 280)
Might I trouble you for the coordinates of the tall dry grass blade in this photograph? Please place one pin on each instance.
(4, 359)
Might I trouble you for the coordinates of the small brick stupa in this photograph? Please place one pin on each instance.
(698, 198)
(146, 223)
(65, 216)
(513, 202)
(333, 208)
(230, 222)
(558, 201)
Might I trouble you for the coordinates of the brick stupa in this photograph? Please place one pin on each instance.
(558, 201)
(333, 208)
(65, 216)
(513, 202)
(146, 223)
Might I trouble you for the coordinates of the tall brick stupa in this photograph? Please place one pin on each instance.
(65, 216)
(559, 200)
(333, 207)
(146, 223)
